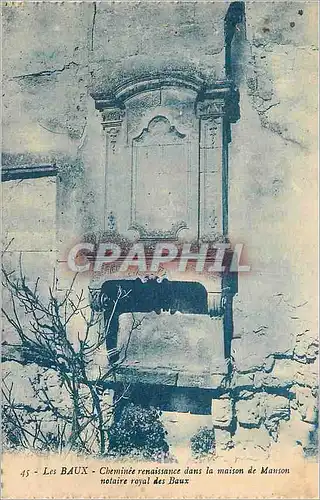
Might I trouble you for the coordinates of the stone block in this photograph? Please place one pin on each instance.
(249, 356)
(307, 374)
(249, 412)
(295, 432)
(223, 439)
(286, 373)
(277, 408)
(222, 412)
(246, 394)
(282, 375)
(154, 376)
(275, 379)
(205, 381)
(306, 348)
(306, 404)
(186, 343)
(254, 443)
(242, 380)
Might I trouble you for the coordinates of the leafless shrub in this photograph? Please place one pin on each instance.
(45, 337)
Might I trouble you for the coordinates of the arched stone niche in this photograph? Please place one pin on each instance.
(166, 167)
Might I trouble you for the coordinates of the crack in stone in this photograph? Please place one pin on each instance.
(93, 24)
(47, 72)
(51, 131)
(269, 107)
(274, 128)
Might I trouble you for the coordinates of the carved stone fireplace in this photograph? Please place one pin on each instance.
(166, 180)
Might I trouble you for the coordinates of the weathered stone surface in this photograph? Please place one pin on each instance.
(250, 411)
(285, 373)
(248, 355)
(19, 377)
(307, 375)
(277, 408)
(241, 380)
(156, 375)
(36, 387)
(223, 440)
(281, 375)
(306, 404)
(222, 412)
(295, 432)
(185, 343)
(254, 443)
(306, 348)
(177, 29)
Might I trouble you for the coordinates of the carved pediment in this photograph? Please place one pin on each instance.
(159, 131)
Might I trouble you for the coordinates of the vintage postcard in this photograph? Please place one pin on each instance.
(159, 249)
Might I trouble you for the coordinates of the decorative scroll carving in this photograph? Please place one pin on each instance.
(112, 116)
(148, 277)
(159, 131)
(215, 305)
(113, 134)
(213, 220)
(96, 299)
(111, 123)
(210, 130)
(210, 108)
(111, 221)
(170, 234)
(151, 294)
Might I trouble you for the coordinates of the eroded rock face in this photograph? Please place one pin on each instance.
(222, 412)
(254, 443)
(276, 396)
(250, 411)
(306, 348)
(38, 410)
(277, 408)
(306, 404)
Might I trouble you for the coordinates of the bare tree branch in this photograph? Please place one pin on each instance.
(45, 337)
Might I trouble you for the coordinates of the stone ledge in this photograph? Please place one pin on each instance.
(143, 375)
(29, 171)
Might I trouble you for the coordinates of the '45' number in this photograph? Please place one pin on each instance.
(25, 473)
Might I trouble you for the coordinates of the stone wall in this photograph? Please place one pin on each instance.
(29, 226)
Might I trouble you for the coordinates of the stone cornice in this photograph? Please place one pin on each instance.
(28, 171)
(218, 89)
